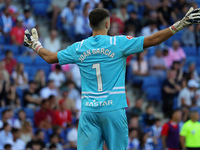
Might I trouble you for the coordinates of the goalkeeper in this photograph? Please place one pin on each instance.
(102, 62)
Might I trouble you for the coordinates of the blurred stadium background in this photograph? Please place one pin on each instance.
(41, 103)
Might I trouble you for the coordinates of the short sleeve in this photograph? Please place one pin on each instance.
(130, 45)
(183, 130)
(165, 130)
(67, 56)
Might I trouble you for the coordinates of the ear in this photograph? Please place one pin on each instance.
(108, 24)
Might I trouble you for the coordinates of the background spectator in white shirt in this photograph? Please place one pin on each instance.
(57, 76)
(150, 29)
(5, 135)
(49, 90)
(72, 136)
(52, 42)
(187, 94)
(28, 21)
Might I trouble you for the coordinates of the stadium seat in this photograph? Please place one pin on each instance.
(13, 48)
(20, 93)
(190, 51)
(40, 9)
(1, 110)
(45, 68)
(29, 112)
(31, 70)
(150, 82)
(151, 51)
(190, 59)
(26, 60)
(153, 93)
(39, 61)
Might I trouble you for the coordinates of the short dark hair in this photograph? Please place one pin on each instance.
(96, 16)
(38, 132)
(15, 130)
(52, 146)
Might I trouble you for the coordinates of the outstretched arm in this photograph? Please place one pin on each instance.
(191, 17)
(48, 56)
(157, 38)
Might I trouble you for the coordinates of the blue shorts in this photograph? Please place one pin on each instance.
(96, 127)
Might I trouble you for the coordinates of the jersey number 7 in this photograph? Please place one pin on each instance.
(98, 75)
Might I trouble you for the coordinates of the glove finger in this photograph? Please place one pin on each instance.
(26, 31)
(34, 34)
(189, 11)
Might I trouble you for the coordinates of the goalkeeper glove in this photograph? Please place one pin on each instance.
(191, 17)
(31, 40)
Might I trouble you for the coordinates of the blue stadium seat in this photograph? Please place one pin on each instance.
(198, 70)
(29, 112)
(31, 70)
(1, 110)
(26, 60)
(151, 51)
(153, 93)
(190, 59)
(40, 61)
(46, 69)
(40, 9)
(190, 51)
(13, 48)
(20, 93)
(150, 82)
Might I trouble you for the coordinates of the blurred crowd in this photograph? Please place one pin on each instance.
(41, 103)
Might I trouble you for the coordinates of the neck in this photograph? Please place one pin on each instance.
(193, 120)
(99, 32)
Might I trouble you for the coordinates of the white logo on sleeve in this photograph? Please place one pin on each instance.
(103, 103)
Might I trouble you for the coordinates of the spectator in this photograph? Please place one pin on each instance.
(76, 76)
(170, 89)
(28, 21)
(36, 146)
(115, 20)
(122, 13)
(13, 121)
(165, 13)
(133, 142)
(49, 90)
(68, 16)
(5, 72)
(170, 132)
(150, 29)
(186, 95)
(26, 132)
(72, 136)
(12, 99)
(22, 117)
(52, 42)
(31, 97)
(190, 133)
(154, 5)
(12, 9)
(16, 142)
(63, 115)
(44, 118)
(188, 37)
(5, 116)
(57, 76)
(10, 62)
(3, 89)
(134, 121)
(156, 128)
(148, 117)
(8, 147)
(6, 24)
(38, 140)
(137, 109)
(54, 139)
(17, 32)
(40, 79)
(192, 71)
(139, 68)
(176, 52)
(82, 28)
(70, 103)
(133, 23)
(5, 135)
(158, 65)
(167, 58)
(146, 142)
(57, 6)
(179, 71)
(20, 77)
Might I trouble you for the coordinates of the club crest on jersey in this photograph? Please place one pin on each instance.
(129, 37)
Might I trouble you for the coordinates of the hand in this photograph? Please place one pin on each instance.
(31, 40)
(191, 17)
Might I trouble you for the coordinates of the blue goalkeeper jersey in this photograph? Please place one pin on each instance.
(102, 63)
